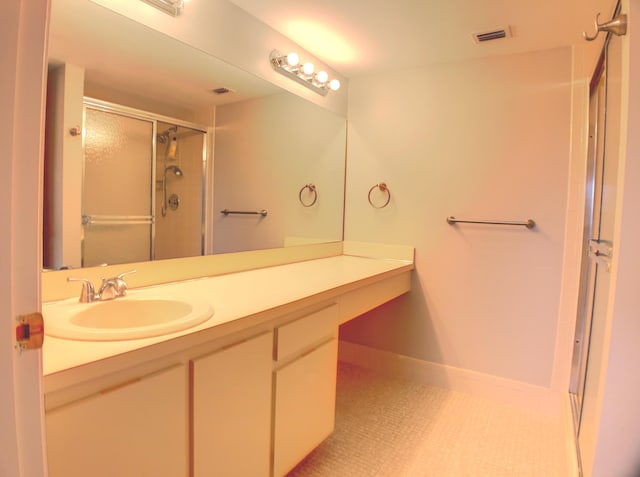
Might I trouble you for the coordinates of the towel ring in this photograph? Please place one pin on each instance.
(312, 190)
(383, 188)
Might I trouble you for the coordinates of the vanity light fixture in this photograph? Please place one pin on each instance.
(171, 7)
(289, 65)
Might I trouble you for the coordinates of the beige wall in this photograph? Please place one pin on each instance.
(487, 139)
(63, 168)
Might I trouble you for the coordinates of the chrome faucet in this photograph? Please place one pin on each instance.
(88, 293)
(109, 289)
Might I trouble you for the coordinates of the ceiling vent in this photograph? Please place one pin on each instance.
(222, 90)
(493, 34)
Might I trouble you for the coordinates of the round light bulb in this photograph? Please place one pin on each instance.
(293, 59)
(307, 68)
(322, 77)
(334, 85)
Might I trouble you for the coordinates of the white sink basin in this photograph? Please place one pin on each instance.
(124, 318)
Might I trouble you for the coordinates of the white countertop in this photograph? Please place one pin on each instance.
(234, 297)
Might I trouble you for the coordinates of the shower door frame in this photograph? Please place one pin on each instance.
(588, 271)
(605, 103)
(154, 118)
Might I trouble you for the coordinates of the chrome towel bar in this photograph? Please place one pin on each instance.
(244, 212)
(117, 219)
(530, 223)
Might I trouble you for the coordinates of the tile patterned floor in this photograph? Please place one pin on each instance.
(392, 428)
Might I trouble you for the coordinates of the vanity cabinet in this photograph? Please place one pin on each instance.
(306, 354)
(137, 428)
(249, 395)
(231, 419)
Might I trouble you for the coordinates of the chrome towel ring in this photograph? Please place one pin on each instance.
(382, 187)
(312, 191)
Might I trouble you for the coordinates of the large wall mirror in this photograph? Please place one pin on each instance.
(149, 140)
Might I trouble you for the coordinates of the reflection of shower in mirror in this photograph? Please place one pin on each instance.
(178, 173)
(169, 136)
(149, 158)
(175, 169)
(164, 135)
(173, 148)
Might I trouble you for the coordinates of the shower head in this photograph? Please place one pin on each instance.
(164, 135)
(175, 169)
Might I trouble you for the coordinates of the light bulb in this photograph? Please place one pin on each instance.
(334, 85)
(293, 59)
(307, 68)
(322, 76)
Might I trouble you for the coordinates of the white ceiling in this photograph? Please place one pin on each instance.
(360, 37)
(355, 37)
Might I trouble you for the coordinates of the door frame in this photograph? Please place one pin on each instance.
(23, 40)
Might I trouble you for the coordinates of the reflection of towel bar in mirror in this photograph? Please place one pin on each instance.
(244, 212)
(312, 191)
(383, 188)
(117, 219)
(530, 223)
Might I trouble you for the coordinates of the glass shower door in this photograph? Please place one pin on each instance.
(591, 338)
(180, 187)
(117, 203)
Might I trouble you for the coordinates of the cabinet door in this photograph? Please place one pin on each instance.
(232, 410)
(304, 405)
(138, 429)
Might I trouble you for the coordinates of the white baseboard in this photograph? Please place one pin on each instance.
(514, 393)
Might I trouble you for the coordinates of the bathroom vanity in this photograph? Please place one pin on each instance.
(250, 391)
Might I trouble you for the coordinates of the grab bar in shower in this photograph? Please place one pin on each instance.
(530, 223)
(244, 212)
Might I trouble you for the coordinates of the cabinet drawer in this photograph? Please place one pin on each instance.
(306, 331)
(305, 392)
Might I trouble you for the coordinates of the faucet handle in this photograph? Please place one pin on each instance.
(88, 293)
(129, 272)
(108, 289)
(120, 284)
